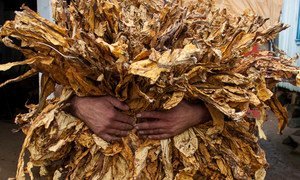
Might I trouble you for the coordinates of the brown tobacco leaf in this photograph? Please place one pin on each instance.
(151, 55)
(26, 75)
(260, 121)
(7, 66)
(280, 112)
(263, 93)
(298, 80)
(175, 99)
(218, 121)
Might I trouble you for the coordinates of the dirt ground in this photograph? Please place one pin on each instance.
(284, 163)
(10, 146)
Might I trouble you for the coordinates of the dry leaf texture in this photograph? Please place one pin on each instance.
(150, 55)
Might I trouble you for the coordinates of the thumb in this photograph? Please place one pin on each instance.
(118, 104)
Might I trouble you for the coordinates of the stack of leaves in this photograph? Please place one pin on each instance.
(150, 55)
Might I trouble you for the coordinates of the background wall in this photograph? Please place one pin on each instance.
(287, 38)
(44, 8)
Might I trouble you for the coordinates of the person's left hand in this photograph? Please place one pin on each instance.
(167, 124)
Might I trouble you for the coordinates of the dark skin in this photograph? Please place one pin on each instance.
(103, 116)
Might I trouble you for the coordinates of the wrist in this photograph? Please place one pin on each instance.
(71, 105)
(205, 114)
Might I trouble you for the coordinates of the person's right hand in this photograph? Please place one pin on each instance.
(103, 116)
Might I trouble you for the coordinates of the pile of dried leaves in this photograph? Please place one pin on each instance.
(151, 55)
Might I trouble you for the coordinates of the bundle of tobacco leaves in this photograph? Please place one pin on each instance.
(150, 55)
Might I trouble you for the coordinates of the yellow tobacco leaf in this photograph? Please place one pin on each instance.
(218, 120)
(204, 151)
(140, 160)
(150, 55)
(142, 55)
(182, 174)
(263, 93)
(259, 123)
(247, 38)
(146, 68)
(253, 99)
(105, 146)
(28, 74)
(227, 48)
(280, 112)
(41, 120)
(120, 170)
(81, 84)
(186, 142)
(57, 175)
(167, 158)
(174, 100)
(57, 146)
(222, 166)
(7, 66)
(187, 55)
(298, 80)
(260, 174)
(47, 87)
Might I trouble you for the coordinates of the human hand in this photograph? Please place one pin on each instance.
(167, 124)
(102, 116)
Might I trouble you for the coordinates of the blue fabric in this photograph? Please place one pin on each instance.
(298, 31)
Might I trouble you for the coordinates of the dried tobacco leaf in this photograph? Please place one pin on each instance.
(150, 55)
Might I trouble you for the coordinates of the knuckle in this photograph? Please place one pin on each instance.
(130, 120)
(126, 120)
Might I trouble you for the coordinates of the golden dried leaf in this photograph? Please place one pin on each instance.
(298, 79)
(218, 121)
(167, 158)
(146, 68)
(260, 174)
(28, 74)
(186, 143)
(7, 66)
(280, 112)
(174, 100)
(263, 93)
(259, 123)
(150, 55)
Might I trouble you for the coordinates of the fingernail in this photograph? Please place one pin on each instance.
(136, 127)
(139, 115)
